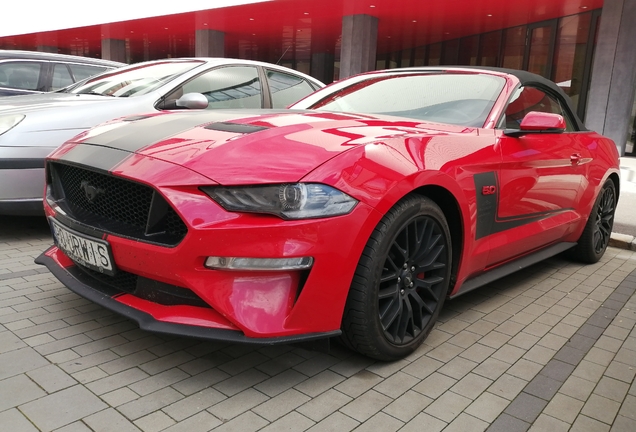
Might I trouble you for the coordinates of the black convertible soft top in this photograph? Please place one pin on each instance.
(524, 77)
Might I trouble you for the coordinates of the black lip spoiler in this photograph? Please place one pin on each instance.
(74, 279)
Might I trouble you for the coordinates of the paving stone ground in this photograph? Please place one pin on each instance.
(551, 348)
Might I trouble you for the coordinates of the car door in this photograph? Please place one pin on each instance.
(540, 180)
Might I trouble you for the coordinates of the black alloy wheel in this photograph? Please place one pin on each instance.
(604, 220)
(598, 229)
(401, 281)
(412, 280)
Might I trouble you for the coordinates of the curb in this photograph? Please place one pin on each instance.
(622, 241)
(628, 174)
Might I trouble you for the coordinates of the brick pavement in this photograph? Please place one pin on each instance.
(550, 348)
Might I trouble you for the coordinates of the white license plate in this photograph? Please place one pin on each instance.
(87, 251)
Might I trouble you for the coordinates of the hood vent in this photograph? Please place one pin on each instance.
(235, 127)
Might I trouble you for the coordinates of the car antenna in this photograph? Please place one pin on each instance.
(283, 55)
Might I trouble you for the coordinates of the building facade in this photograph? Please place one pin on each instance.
(586, 46)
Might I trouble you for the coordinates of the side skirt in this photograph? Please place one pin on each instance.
(511, 267)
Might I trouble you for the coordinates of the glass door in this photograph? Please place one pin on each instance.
(540, 40)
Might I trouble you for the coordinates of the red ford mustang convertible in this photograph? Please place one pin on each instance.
(355, 213)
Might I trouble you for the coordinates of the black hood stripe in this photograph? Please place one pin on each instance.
(102, 158)
(136, 135)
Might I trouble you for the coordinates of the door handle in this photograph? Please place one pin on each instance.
(575, 159)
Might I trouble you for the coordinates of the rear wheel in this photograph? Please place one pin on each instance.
(596, 235)
(401, 281)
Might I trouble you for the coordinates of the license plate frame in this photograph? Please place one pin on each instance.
(90, 252)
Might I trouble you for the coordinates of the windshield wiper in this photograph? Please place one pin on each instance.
(97, 94)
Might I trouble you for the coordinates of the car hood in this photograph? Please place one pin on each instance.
(45, 101)
(248, 147)
(63, 113)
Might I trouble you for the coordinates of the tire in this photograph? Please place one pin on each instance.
(596, 234)
(401, 281)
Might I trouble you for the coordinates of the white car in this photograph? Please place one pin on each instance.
(33, 126)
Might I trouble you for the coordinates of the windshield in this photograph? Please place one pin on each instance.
(461, 99)
(134, 81)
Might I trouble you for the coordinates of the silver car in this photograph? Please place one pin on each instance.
(30, 72)
(32, 126)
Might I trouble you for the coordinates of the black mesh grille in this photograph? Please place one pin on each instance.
(115, 199)
(115, 205)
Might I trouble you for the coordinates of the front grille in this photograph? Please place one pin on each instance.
(115, 205)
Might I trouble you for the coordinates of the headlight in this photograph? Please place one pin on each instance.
(9, 121)
(288, 201)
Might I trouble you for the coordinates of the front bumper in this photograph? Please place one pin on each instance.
(68, 273)
(22, 180)
(282, 305)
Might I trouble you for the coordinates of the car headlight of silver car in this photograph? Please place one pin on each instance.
(8, 122)
(287, 201)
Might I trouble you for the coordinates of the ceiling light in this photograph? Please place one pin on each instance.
(489, 15)
(371, 5)
(583, 7)
(414, 20)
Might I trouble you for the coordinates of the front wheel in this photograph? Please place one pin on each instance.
(596, 234)
(401, 281)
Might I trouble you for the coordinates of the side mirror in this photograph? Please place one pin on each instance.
(538, 122)
(192, 101)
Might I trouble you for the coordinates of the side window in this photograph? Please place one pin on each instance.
(286, 89)
(61, 77)
(528, 99)
(20, 75)
(227, 87)
(84, 71)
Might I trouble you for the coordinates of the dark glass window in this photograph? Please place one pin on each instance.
(84, 71)
(570, 53)
(490, 48)
(539, 61)
(406, 58)
(286, 89)
(450, 51)
(434, 54)
(61, 77)
(20, 75)
(468, 50)
(514, 47)
(419, 58)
